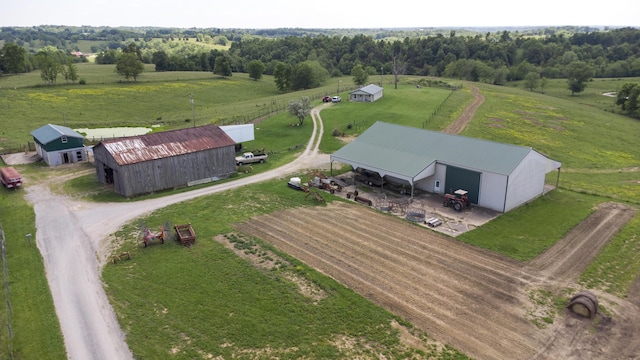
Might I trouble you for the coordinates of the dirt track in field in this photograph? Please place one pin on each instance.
(464, 119)
(474, 300)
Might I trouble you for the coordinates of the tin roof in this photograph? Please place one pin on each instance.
(370, 89)
(135, 149)
(49, 133)
(407, 151)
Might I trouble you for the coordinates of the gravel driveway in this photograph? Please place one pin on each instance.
(72, 238)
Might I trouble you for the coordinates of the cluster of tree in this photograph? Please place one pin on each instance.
(628, 98)
(49, 60)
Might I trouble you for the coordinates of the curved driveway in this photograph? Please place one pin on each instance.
(70, 234)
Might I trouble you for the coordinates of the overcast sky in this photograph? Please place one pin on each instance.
(319, 14)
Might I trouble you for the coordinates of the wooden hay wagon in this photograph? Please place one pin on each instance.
(185, 234)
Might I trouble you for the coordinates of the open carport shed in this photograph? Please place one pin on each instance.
(497, 176)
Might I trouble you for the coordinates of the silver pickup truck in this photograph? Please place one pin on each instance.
(250, 158)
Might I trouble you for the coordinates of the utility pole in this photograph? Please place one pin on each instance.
(381, 70)
(193, 114)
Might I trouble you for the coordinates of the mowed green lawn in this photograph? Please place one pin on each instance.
(184, 303)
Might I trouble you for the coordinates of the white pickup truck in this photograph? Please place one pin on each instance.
(249, 158)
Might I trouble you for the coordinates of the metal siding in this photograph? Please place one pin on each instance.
(527, 181)
(176, 171)
(493, 189)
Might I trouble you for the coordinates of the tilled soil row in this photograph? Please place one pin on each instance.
(461, 295)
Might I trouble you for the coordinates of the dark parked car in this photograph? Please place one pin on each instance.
(326, 99)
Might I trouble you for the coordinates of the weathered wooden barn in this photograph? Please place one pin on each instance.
(497, 176)
(147, 163)
(59, 145)
(369, 93)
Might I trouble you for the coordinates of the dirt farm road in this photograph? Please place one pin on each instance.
(472, 299)
(71, 233)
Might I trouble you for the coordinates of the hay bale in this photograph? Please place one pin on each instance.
(584, 304)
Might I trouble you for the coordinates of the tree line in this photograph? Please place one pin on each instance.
(306, 61)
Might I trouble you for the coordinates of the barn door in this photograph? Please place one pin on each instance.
(459, 178)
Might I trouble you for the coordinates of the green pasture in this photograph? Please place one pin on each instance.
(593, 94)
(598, 149)
(406, 105)
(160, 99)
(205, 300)
(35, 330)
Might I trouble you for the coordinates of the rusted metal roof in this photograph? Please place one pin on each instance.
(135, 149)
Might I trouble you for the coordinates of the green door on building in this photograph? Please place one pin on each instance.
(459, 178)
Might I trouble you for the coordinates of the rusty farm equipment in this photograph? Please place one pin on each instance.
(458, 200)
(185, 234)
(321, 181)
(148, 236)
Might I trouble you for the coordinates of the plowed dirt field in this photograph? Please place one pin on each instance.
(474, 300)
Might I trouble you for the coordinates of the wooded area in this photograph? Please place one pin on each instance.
(302, 59)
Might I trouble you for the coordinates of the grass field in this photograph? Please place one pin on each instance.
(208, 301)
(596, 146)
(157, 98)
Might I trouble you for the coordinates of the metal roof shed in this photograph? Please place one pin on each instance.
(369, 93)
(158, 161)
(507, 175)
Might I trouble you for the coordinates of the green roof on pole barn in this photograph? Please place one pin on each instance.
(407, 151)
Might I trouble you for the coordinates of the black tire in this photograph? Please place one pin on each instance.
(145, 244)
(457, 206)
(240, 164)
(445, 203)
(261, 161)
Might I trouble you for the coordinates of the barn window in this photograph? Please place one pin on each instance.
(63, 139)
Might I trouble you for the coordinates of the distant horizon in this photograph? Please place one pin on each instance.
(412, 28)
(292, 14)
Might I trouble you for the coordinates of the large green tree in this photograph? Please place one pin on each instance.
(300, 108)
(532, 80)
(629, 99)
(129, 66)
(308, 75)
(222, 66)
(50, 62)
(256, 69)
(360, 76)
(578, 73)
(282, 73)
(70, 70)
(13, 56)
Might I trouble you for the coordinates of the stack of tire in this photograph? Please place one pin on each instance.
(584, 304)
